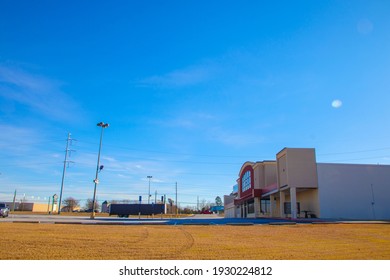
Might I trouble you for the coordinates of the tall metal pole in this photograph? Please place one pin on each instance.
(177, 204)
(96, 181)
(13, 202)
(149, 177)
(48, 205)
(63, 173)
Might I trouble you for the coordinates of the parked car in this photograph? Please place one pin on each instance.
(4, 210)
(90, 210)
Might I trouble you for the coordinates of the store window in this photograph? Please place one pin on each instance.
(251, 207)
(265, 206)
(246, 181)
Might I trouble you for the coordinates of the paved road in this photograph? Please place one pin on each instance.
(192, 220)
(16, 218)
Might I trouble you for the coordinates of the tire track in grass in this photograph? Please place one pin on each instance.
(188, 243)
(144, 236)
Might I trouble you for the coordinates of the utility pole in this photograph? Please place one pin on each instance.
(177, 204)
(13, 202)
(68, 140)
(48, 205)
(149, 177)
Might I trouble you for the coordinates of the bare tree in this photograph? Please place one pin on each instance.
(204, 204)
(89, 203)
(70, 204)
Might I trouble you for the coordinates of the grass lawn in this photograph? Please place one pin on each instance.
(115, 242)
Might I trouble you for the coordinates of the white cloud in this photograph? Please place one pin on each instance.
(16, 139)
(337, 103)
(38, 93)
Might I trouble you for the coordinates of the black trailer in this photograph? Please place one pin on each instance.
(125, 210)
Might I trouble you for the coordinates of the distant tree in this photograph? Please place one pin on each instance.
(22, 204)
(204, 204)
(218, 201)
(186, 210)
(89, 203)
(70, 203)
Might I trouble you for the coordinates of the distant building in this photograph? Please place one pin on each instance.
(230, 210)
(32, 207)
(105, 207)
(217, 209)
(296, 186)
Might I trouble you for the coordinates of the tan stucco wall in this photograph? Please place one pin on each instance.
(40, 207)
(264, 174)
(297, 168)
(308, 200)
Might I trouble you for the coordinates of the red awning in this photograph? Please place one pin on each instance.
(270, 188)
(249, 196)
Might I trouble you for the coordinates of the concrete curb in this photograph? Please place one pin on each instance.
(324, 223)
(197, 224)
(240, 224)
(282, 223)
(26, 222)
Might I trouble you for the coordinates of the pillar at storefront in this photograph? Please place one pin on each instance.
(282, 199)
(257, 207)
(293, 200)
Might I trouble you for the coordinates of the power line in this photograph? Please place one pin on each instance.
(353, 159)
(355, 152)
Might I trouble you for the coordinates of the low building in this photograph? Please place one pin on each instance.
(105, 207)
(218, 209)
(296, 186)
(32, 207)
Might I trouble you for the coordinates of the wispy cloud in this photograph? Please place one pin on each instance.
(38, 93)
(189, 76)
(211, 127)
(16, 139)
(187, 120)
(234, 138)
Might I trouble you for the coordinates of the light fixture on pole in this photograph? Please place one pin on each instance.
(96, 181)
(149, 177)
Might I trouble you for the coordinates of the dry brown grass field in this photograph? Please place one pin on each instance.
(116, 242)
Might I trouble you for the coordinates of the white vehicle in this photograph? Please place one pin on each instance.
(4, 210)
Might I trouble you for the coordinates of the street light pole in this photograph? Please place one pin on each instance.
(96, 181)
(149, 177)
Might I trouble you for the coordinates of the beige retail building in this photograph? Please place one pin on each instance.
(296, 186)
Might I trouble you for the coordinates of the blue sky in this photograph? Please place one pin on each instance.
(191, 90)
